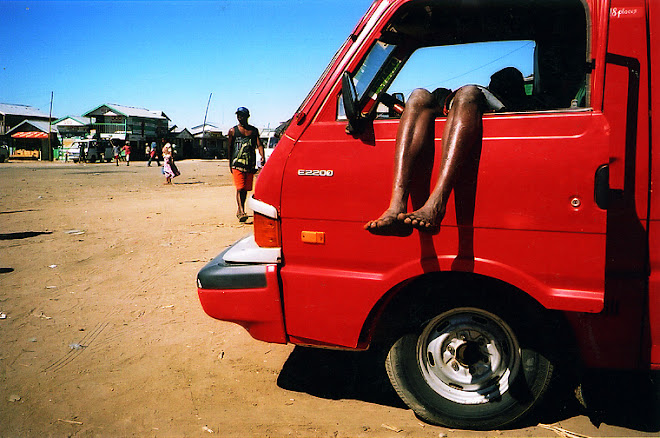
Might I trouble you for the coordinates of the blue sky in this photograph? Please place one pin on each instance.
(170, 55)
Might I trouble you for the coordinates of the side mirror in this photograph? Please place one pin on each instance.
(349, 97)
(397, 109)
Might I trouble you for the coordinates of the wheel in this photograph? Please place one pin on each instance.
(467, 369)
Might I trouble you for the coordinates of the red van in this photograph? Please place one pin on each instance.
(548, 254)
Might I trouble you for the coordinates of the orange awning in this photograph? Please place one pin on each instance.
(30, 134)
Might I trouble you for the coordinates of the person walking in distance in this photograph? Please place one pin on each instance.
(243, 141)
(153, 154)
(115, 152)
(127, 153)
(169, 168)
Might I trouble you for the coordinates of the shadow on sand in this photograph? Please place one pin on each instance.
(339, 375)
(624, 399)
(22, 235)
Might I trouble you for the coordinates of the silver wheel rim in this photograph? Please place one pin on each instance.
(468, 356)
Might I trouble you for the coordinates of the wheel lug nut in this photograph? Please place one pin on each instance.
(450, 349)
(454, 366)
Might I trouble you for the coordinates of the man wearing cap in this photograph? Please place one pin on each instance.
(243, 140)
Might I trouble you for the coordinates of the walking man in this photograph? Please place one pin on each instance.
(115, 152)
(127, 153)
(243, 141)
(153, 154)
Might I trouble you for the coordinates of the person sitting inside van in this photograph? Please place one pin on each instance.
(462, 131)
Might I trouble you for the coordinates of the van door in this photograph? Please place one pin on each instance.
(524, 211)
(625, 105)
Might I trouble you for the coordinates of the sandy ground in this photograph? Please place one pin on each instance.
(103, 334)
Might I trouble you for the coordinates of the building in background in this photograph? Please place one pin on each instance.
(113, 122)
(184, 141)
(13, 115)
(209, 142)
(73, 126)
(33, 139)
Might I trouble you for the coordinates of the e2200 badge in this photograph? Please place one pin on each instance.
(304, 172)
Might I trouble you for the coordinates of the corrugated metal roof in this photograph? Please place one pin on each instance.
(73, 121)
(209, 128)
(32, 125)
(129, 111)
(20, 110)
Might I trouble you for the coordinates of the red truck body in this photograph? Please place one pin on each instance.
(557, 208)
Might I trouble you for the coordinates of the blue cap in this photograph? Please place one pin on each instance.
(243, 110)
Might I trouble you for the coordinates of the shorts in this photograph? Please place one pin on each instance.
(242, 180)
(491, 103)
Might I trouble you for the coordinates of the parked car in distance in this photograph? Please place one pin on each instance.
(85, 149)
(4, 153)
(72, 153)
(269, 141)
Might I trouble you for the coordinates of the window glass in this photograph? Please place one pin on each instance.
(371, 66)
(454, 66)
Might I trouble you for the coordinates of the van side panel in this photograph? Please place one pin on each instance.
(523, 230)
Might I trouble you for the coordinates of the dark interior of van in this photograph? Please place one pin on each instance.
(558, 27)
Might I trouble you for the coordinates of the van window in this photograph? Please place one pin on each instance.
(454, 66)
(431, 44)
(371, 66)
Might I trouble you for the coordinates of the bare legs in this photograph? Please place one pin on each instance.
(241, 196)
(415, 132)
(462, 131)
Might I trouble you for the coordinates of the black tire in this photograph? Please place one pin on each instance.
(468, 368)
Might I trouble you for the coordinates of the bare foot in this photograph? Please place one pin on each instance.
(427, 218)
(388, 224)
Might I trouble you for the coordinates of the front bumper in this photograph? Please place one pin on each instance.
(244, 293)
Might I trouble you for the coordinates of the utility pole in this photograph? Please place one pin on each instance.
(50, 114)
(204, 125)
